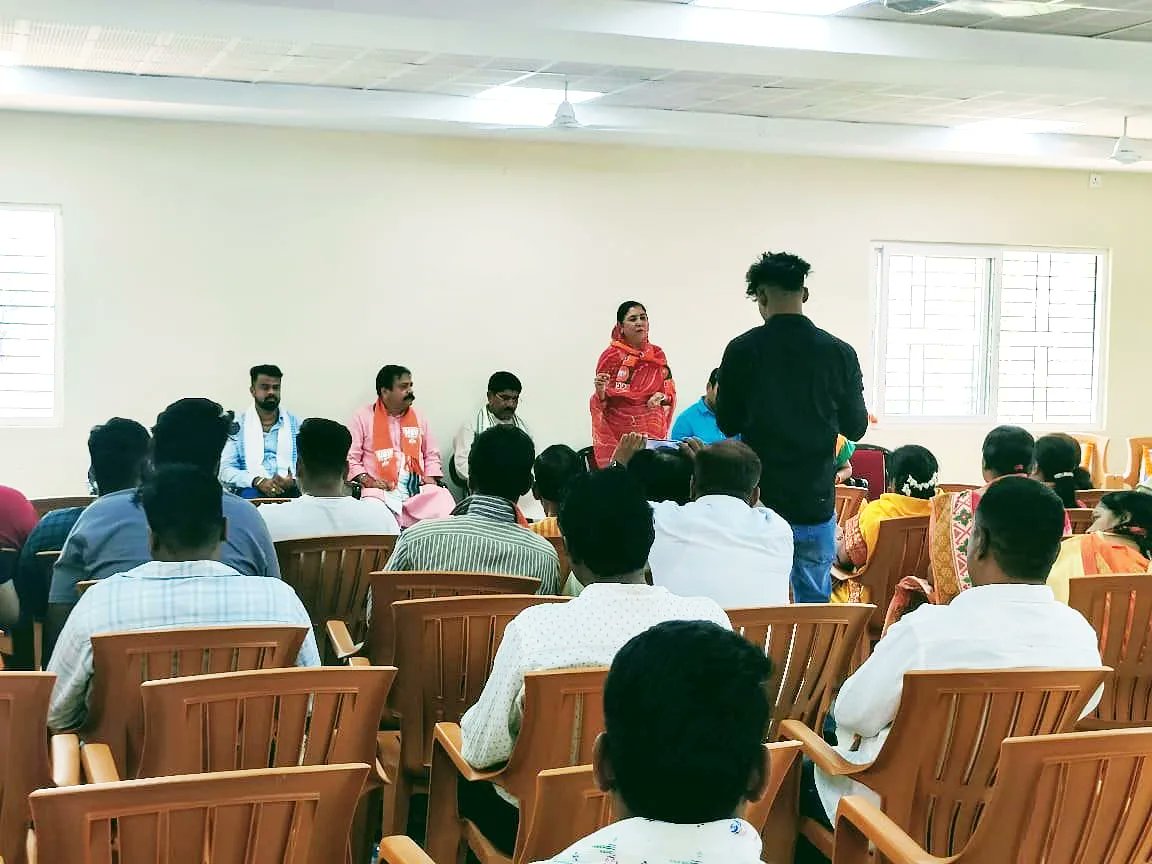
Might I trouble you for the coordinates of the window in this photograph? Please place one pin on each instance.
(28, 288)
(1005, 334)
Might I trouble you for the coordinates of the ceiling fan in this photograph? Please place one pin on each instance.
(992, 8)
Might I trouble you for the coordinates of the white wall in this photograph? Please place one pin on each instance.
(193, 251)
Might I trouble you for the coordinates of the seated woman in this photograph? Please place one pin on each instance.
(1058, 468)
(1119, 541)
(912, 477)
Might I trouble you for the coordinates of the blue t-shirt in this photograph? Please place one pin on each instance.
(698, 421)
(111, 536)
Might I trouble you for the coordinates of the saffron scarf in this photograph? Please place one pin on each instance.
(384, 448)
(635, 375)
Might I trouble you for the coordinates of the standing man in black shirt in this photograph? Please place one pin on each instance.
(789, 388)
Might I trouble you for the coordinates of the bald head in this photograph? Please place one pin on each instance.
(728, 468)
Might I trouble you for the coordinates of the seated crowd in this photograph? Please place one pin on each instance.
(660, 543)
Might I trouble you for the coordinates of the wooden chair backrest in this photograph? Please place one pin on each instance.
(1119, 608)
(1090, 498)
(391, 587)
(1067, 799)
(269, 718)
(901, 550)
(1094, 455)
(276, 816)
(941, 756)
(1081, 519)
(810, 646)
(956, 487)
(569, 806)
(43, 506)
(331, 574)
(444, 651)
(562, 554)
(848, 501)
(83, 585)
(24, 700)
(121, 662)
(1136, 448)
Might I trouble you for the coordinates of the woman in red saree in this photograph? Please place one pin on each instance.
(634, 387)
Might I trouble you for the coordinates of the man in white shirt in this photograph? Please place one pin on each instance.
(325, 509)
(685, 708)
(1008, 619)
(607, 526)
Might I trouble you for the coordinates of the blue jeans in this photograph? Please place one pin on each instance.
(814, 550)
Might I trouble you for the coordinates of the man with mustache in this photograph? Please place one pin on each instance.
(259, 459)
(393, 452)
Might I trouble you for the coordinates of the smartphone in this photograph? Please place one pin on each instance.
(660, 444)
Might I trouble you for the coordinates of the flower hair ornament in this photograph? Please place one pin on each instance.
(1062, 475)
(911, 484)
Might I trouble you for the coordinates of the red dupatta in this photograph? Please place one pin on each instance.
(635, 375)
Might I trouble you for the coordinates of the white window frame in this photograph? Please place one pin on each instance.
(990, 342)
(56, 419)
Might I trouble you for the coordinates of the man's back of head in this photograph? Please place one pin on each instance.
(664, 474)
(500, 463)
(729, 468)
(686, 708)
(1017, 534)
(322, 455)
(185, 511)
(555, 469)
(607, 527)
(118, 451)
(191, 432)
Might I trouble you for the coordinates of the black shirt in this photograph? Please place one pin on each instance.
(789, 388)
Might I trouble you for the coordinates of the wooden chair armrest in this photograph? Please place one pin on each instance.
(448, 736)
(359, 662)
(340, 639)
(400, 850)
(1115, 481)
(99, 766)
(65, 760)
(860, 822)
(820, 751)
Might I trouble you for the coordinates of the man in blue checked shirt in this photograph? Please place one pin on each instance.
(259, 460)
(698, 420)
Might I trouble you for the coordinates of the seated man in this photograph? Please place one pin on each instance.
(259, 459)
(325, 509)
(118, 451)
(486, 533)
(685, 708)
(665, 474)
(699, 419)
(111, 535)
(184, 585)
(555, 469)
(1009, 619)
(607, 526)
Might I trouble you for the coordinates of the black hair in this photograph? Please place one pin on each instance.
(913, 471)
(388, 375)
(192, 431)
(1020, 522)
(1009, 450)
(500, 462)
(269, 369)
(118, 451)
(664, 474)
(714, 377)
(686, 709)
(1135, 511)
(727, 468)
(781, 270)
(323, 445)
(622, 311)
(556, 467)
(607, 523)
(501, 381)
(184, 506)
(1057, 462)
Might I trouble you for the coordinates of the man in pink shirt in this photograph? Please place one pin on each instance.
(393, 452)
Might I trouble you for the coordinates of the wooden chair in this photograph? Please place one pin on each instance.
(1081, 519)
(260, 502)
(1094, 455)
(563, 715)
(1060, 799)
(121, 662)
(444, 651)
(275, 816)
(47, 505)
(1119, 608)
(24, 698)
(1138, 449)
(941, 753)
(956, 487)
(389, 587)
(331, 575)
(1090, 498)
(848, 501)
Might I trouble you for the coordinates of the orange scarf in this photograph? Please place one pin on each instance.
(411, 444)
